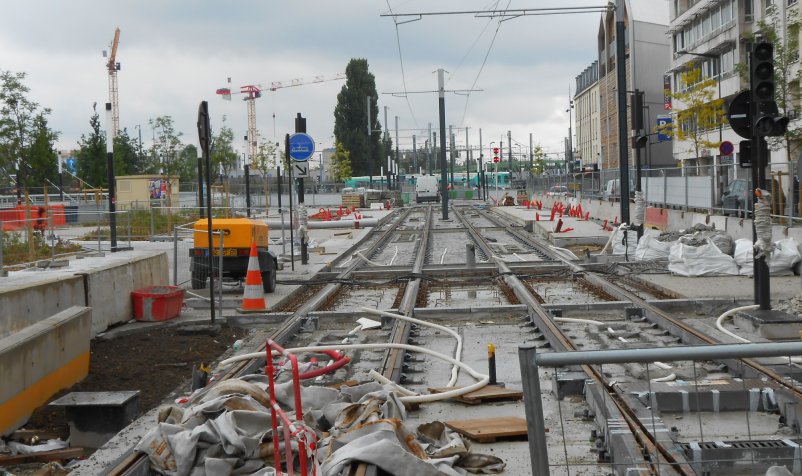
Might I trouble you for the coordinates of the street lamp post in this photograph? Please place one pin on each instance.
(496, 168)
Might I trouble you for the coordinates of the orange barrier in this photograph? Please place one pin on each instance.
(656, 218)
(14, 218)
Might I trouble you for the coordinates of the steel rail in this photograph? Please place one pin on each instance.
(655, 315)
(135, 463)
(616, 407)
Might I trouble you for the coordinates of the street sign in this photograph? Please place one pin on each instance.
(661, 122)
(726, 148)
(739, 116)
(302, 146)
(300, 169)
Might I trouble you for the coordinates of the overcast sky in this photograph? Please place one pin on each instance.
(175, 53)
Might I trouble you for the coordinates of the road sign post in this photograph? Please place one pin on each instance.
(302, 147)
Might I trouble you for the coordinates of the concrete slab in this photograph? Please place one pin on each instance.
(771, 324)
(782, 287)
(583, 233)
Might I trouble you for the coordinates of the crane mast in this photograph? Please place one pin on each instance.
(113, 66)
(253, 92)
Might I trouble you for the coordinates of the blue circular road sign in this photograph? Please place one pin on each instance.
(726, 148)
(302, 146)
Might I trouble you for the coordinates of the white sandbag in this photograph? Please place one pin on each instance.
(784, 257)
(705, 260)
(628, 247)
(649, 248)
(743, 256)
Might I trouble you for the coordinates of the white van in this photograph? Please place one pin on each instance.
(426, 189)
(612, 189)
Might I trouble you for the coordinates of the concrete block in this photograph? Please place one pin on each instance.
(771, 324)
(23, 305)
(40, 360)
(567, 383)
(95, 417)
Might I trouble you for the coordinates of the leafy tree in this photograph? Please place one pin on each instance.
(22, 124)
(187, 163)
(341, 164)
(224, 157)
(42, 158)
(125, 154)
(539, 163)
(91, 156)
(701, 113)
(167, 144)
(350, 123)
(265, 162)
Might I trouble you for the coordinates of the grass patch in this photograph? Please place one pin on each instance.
(15, 248)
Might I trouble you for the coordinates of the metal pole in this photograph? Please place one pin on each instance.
(281, 211)
(3, 272)
(220, 274)
(128, 217)
(200, 186)
(451, 154)
(397, 153)
(623, 149)
(110, 169)
(204, 137)
(531, 153)
(509, 151)
(175, 256)
(467, 160)
(247, 190)
(430, 142)
(369, 157)
(442, 112)
(414, 155)
(292, 225)
(533, 407)
(300, 126)
(481, 171)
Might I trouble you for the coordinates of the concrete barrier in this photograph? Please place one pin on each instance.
(109, 287)
(40, 360)
(26, 298)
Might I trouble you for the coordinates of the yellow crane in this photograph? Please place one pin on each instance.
(113, 66)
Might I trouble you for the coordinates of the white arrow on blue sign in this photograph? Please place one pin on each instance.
(302, 146)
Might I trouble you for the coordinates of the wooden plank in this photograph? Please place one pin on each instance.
(488, 430)
(25, 436)
(41, 457)
(484, 394)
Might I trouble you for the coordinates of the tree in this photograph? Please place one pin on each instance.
(539, 163)
(341, 164)
(187, 163)
(350, 121)
(223, 157)
(702, 112)
(264, 162)
(125, 154)
(92, 155)
(42, 159)
(166, 145)
(22, 123)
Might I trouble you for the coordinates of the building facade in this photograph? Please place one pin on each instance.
(714, 35)
(647, 59)
(586, 101)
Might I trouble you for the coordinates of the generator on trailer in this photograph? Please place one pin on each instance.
(237, 236)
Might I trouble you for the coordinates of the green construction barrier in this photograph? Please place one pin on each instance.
(406, 197)
(468, 194)
(453, 194)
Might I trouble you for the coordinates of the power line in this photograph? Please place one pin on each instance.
(401, 60)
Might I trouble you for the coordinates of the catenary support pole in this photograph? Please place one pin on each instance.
(369, 156)
(300, 126)
(112, 186)
(442, 112)
(623, 147)
(204, 138)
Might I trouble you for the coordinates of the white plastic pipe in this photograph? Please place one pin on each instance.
(730, 313)
(667, 378)
(578, 321)
(482, 379)
(443, 257)
(457, 353)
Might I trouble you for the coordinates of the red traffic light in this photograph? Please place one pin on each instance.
(495, 151)
(495, 159)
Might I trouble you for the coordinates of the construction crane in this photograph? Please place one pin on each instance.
(253, 92)
(113, 66)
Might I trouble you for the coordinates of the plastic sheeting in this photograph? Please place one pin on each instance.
(784, 257)
(625, 247)
(705, 260)
(650, 248)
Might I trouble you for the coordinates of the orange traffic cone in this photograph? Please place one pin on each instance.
(254, 296)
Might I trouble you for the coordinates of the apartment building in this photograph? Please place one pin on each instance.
(586, 103)
(648, 57)
(711, 35)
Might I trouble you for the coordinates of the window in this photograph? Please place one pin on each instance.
(726, 12)
(748, 12)
(715, 18)
(791, 2)
(706, 25)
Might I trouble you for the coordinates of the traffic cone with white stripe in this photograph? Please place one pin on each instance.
(253, 299)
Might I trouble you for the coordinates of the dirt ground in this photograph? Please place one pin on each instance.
(155, 362)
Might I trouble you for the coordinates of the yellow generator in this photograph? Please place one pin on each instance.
(237, 236)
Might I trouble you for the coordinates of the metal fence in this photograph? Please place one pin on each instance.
(719, 189)
(618, 446)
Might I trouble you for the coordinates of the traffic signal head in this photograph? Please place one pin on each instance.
(766, 119)
(495, 159)
(495, 150)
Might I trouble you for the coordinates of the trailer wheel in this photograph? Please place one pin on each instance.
(269, 281)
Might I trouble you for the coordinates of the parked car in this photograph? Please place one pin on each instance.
(735, 200)
(559, 191)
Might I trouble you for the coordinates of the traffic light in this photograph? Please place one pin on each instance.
(495, 155)
(766, 121)
(745, 154)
